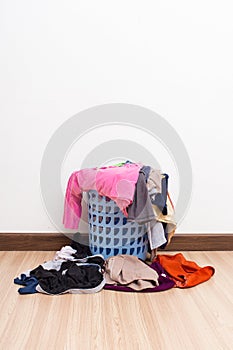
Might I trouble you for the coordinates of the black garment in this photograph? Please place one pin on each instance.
(160, 199)
(70, 276)
(82, 250)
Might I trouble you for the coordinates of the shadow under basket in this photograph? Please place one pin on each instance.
(109, 231)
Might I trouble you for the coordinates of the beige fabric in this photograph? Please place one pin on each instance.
(169, 218)
(154, 181)
(129, 271)
(170, 235)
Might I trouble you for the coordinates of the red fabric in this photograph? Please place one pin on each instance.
(185, 273)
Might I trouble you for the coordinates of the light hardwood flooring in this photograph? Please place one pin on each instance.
(196, 318)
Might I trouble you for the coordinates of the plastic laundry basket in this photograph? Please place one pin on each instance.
(110, 233)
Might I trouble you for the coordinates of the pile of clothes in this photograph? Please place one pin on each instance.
(74, 270)
(140, 192)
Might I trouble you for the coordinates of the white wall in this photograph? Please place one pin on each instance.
(60, 57)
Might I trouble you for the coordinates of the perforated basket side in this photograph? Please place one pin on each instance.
(110, 233)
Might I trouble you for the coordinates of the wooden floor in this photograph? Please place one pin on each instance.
(197, 318)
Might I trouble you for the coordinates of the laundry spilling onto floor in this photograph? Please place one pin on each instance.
(73, 270)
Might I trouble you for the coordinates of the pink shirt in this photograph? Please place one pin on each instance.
(117, 183)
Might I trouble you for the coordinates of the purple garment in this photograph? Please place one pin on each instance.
(165, 282)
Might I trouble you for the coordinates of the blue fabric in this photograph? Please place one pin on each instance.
(30, 284)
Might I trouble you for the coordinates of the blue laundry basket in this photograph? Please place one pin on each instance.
(110, 233)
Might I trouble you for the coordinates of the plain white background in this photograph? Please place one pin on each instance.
(60, 57)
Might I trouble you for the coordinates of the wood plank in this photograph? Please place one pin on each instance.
(194, 318)
(54, 241)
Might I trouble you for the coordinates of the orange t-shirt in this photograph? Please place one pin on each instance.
(184, 273)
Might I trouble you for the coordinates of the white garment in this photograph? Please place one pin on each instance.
(155, 234)
(65, 254)
(154, 181)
